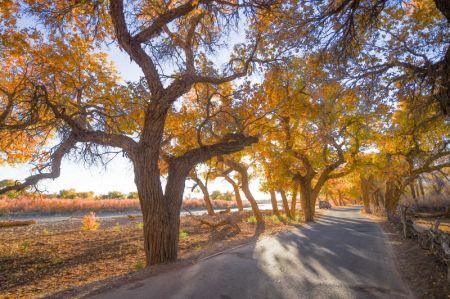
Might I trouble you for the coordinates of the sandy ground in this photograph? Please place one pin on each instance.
(426, 276)
(44, 259)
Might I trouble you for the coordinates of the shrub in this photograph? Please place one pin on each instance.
(90, 222)
(251, 220)
(133, 195)
(217, 195)
(68, 194)
(114, 195)
(85, 195)
(139, 265)
(183, 234)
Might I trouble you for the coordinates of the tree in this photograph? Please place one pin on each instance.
(132, 118)
(388, 45)
(417, 145)
(316, 133)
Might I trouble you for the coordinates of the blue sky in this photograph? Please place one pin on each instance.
(118, 175)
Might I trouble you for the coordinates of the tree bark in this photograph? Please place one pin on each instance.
(365, 190)
(340, 199)
(161, 214)
(205, 192)
(237, 193)
(307, 201)
(287, 211)
(413, 191)
(273, 199)
(392, 197)
(422, 192)
(242, 170)
(294, 200)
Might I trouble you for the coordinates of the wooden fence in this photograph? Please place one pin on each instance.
(433, 239)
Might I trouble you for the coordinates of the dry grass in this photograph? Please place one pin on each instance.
(36, 205)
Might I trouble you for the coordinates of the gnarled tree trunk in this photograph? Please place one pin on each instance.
(161, 213)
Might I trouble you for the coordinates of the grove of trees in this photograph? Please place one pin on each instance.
(347, 100)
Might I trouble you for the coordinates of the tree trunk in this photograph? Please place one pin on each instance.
(242, 170)
(392, 197)
(285, 204)
(413, 191)
(237, 193)
(273, 199)
(340, 199)
(307, 201)
(205, 192)
(294, 200)
(365, 190)
(161, 215)
(422, 192)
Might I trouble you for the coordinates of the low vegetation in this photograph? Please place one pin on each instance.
(49, 206)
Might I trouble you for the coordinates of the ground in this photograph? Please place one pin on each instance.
(42, 259)
(342, 255)
(426, 276)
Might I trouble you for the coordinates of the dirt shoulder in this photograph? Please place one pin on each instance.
(62, 259)
(420, 270)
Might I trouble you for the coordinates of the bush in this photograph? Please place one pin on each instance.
(217, 195)
(68, 194)
(251, 220)
(85, 195)
(90, 222)
(183, 234)
(133, 195)
(114, 195)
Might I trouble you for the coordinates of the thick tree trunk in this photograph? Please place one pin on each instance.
(392, 198)
(285, 204)
(237, 193)
(307, 201)
(273, 199)
(161, 216)
(205, 192)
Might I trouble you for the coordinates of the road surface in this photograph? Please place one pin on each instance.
(342, 255)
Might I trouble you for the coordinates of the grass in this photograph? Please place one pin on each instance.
(140, 225)
(183, 234)
(139, 265)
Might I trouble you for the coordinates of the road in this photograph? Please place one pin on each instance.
(342, 255)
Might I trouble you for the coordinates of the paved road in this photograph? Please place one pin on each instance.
(343, 255)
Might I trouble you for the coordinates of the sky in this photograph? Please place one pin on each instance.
(118, 174)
